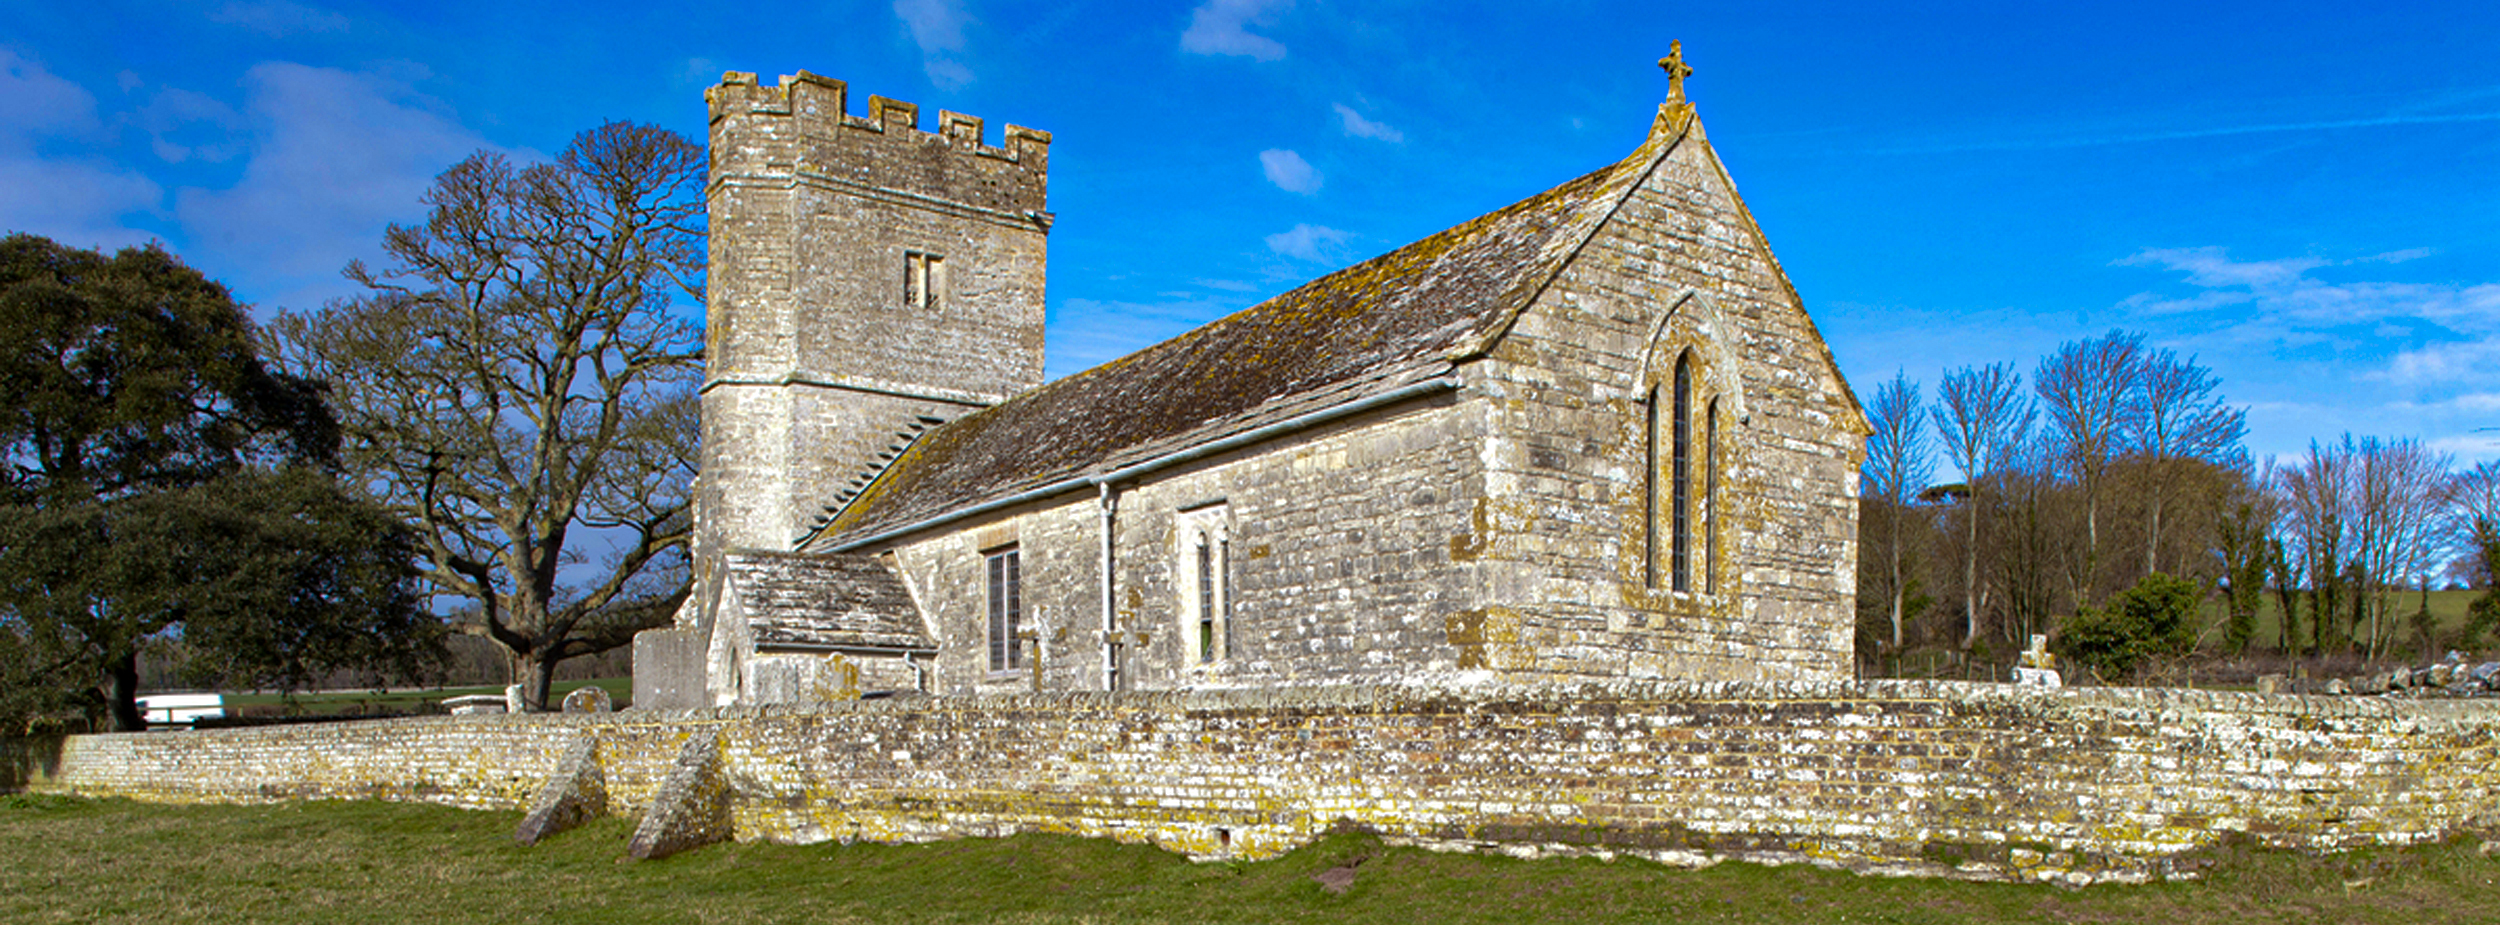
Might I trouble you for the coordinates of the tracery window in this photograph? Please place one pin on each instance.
(1680, 456)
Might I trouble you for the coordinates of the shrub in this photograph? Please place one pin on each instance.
(2156, 619)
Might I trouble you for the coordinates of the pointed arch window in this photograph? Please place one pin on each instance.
(1680, 509)
(1649, 492)
(1710, 498)
(1680, 497)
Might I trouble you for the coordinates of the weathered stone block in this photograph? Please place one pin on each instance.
(668, 669)
(691, 809)
(575, 793)
(588, 699)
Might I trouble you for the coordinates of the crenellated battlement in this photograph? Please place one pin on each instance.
(817, 107)
(870, 269)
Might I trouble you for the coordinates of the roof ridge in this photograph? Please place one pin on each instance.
(1440, 299)
(1622, 193)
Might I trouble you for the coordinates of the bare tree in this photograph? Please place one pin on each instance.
(2318, 497)
(519, 381)
(1898, 467)
(2398, 492)
(2468, 498)
(2035, 533)
(2244, 540)
(1981, 417)
(2472, 527)
(2086, 389)
(2177, 417)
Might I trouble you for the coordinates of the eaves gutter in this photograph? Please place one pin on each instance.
(1259, 434)
(841, 648)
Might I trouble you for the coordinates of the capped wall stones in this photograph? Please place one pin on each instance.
(1970, 780)
(588, 699)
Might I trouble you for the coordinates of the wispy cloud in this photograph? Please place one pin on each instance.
(1221, 27)
(1315, 243)
(2213, 266)
(2092, 139)
(183, 125)
(278, 18)
(2285, 290)
(73, 198)
(2462, 361)
(1359, 127)
(335, 157)
(1289, 171)
(1085, 333)
(2455, 328)
(937, 26)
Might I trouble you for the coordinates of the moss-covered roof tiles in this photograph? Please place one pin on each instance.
(817, 601)
(1398, 318)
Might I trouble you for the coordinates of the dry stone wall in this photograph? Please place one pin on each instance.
(1938, 778)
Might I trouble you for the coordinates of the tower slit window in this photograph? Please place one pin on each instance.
(924, 279)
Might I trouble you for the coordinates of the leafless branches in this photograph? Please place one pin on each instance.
(1981, 418)
(521, 375)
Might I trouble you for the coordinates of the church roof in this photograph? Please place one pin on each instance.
(1397, 319)
(795, 600)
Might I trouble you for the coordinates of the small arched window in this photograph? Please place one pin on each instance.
(1710, 498)
(1680, 509)
(1650, 505)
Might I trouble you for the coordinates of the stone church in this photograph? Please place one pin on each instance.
(1592, 434)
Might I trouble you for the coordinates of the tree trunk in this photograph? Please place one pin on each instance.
(538, 681)
(1895, 525)
(2152, 545)
(1970, 573)
(121, 690)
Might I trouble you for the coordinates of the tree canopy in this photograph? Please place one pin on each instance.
(156, 478)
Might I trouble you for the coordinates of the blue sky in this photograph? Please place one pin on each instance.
(2306, 196)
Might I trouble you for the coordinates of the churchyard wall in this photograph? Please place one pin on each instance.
(1953, 779)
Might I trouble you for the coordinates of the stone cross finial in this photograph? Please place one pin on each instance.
(1676, 69)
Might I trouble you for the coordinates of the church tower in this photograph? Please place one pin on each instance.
(868, 280)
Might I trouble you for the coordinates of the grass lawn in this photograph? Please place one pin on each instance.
(68, 860)
(359, 703)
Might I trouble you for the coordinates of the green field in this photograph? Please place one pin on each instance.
(69, 860)
(2447, 611)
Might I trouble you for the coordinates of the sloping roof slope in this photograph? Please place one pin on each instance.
(803, 600)
(1399, 318)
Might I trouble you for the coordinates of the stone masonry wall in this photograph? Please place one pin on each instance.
(1340, 566)
(1679, 266)
(1937, 778)
(814, 363)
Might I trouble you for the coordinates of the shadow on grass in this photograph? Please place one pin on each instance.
(68, 860)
